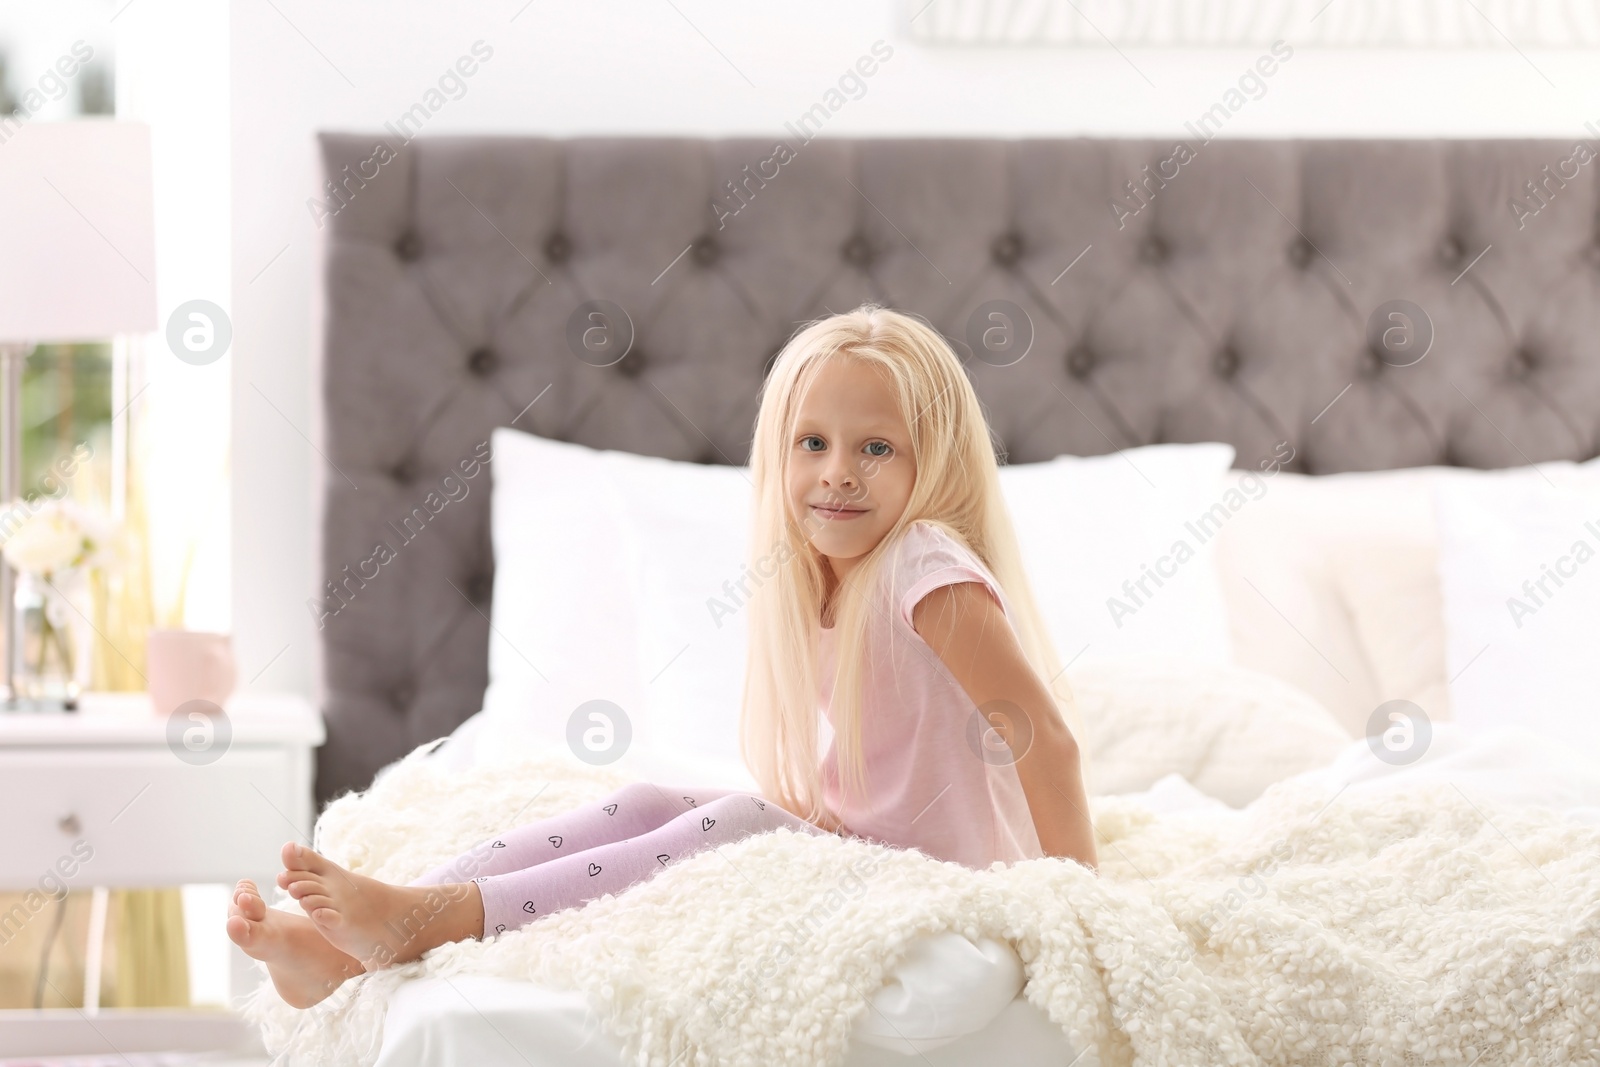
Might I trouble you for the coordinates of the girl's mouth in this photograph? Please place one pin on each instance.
(837, 514)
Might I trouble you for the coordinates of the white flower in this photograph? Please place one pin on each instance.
(51, 537)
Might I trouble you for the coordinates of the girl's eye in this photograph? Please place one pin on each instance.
(806, 443)
(874, 447)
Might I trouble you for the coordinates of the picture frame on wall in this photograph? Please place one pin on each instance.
(1247, 23)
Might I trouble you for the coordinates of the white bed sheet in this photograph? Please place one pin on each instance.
(951, 1002)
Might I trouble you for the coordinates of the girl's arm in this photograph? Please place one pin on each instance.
(966, 628)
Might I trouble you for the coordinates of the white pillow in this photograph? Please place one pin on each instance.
(687, 526)
(1331, 584)
(1519, 566)
(602, 564)
(563, 630)
(1093, 529)
(617, 578)
(1229, 731)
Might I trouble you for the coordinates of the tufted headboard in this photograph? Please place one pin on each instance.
(1375, 303)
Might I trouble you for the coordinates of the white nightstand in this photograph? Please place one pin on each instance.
(120, 799)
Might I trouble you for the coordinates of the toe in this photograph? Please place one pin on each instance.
(309, 860)
(304, 887)
(253, 908)
(321, 910)
(239, 931)
(301, 858)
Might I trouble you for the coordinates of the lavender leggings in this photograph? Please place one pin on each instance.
(604, 847)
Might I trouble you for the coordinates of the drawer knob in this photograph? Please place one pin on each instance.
(69, 825)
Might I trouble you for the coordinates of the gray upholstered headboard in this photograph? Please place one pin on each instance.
(1223, 292)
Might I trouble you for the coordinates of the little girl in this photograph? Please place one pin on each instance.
(899, 613)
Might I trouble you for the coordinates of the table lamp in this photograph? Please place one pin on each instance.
(77, 264)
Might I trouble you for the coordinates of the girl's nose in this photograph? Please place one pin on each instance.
(842, 475)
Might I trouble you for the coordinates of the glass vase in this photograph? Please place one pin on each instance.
(47, 676)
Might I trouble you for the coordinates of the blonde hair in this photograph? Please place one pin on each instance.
(957, 487)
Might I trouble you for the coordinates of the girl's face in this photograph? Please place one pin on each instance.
(850, 465)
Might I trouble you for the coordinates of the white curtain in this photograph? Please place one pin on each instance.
(172, 72)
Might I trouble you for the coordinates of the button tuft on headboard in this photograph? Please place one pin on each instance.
(1153, 249)
(483, 361)
(1007, 248)
(557, 247)
(1300, 252)
(480, 587)
(1226, 363)
(404, 472)
(409, 247)
(1080, 362)
(706, 251)
(631, 364)
(857, 251)
(1451, 250)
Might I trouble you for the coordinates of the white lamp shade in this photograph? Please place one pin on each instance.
(77, 231)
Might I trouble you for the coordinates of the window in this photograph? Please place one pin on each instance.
(66, 404)
(33, 37)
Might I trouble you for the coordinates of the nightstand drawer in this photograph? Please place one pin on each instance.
(132, 816)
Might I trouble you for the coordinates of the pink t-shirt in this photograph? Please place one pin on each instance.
(928, 787)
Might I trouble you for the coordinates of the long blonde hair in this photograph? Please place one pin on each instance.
(957, 487)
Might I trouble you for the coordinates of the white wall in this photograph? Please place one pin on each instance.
(635, 67)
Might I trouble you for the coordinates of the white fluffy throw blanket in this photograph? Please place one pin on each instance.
(1420, 927)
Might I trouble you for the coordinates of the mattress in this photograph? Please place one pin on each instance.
(951, 1002)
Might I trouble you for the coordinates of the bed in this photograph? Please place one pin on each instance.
(1334, 342)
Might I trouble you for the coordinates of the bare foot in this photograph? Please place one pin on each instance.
(304, 967)
(375, 922)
